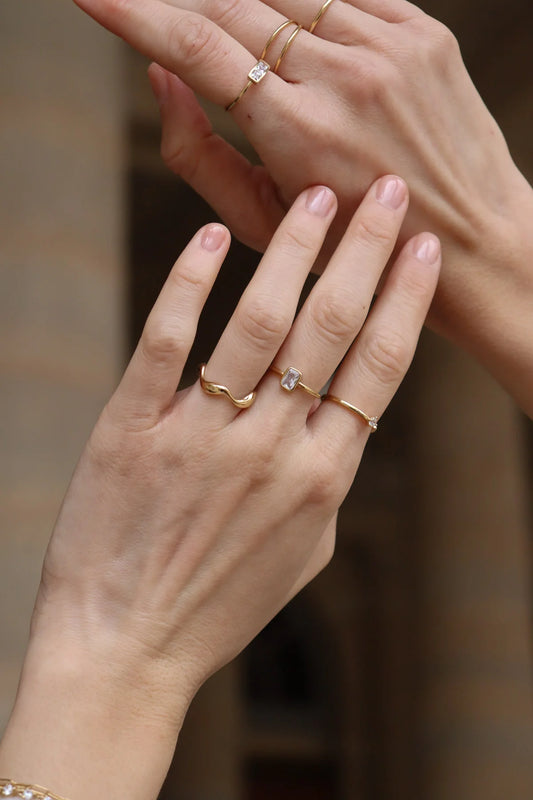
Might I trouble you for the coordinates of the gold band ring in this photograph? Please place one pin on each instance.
(256, 75)
(260, 69)
(372, 422)
(291, 379)
(217, 388)
(288, 43)
(319, 15)
(275, 35)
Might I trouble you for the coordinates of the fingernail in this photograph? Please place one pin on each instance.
(213, 237)
(159, 83)
(427, 249)
(319, 201)
(391, 192)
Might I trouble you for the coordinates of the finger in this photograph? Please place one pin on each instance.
(387, 10)
(338, 304)
(254, 23)
(378, 361)
(341, 23)
(243, 195)
(149, 384)
(208, 59)
(265, 312)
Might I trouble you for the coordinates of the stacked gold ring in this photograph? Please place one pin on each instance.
(319, 15)
(261, 67)
(372, 422)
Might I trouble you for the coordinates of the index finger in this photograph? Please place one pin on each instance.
(208, 59)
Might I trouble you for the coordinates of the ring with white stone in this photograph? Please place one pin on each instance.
(217, 388)
(372, 422)
(14, 790)
(256, 75)
(291, 379)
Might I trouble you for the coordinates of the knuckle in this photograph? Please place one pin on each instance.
(296, 241)
(186, 280)
(336, 317)
(161, 343)
(263, 323)
(386, 357)
(118, 8)
(225, 12)
(325, 485)
(194, 40)
(368, 78)
(374, 231)
(440, 43)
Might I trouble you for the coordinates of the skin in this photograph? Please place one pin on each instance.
(378, 87)
(188, 523)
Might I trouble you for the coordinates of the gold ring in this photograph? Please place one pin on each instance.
(256, 75)
(372, 422)
(291, 379)
(217, 388)
(274, 36)
(260, 69)
(288, 43)
(319, 15)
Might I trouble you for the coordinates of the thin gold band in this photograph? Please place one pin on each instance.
(275, 35)
(213, 389)
(291, 378)
(372, 422)
(262, 67)
(26, 791)
(319, 15)
(288, 43)
(256, 75)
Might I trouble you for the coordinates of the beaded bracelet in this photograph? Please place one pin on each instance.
(25, 791)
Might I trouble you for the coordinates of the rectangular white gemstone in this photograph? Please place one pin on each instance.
(290, 379)
(258, 72)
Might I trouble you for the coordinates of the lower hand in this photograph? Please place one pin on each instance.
(189, 523)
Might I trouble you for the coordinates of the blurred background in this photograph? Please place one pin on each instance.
(405, 670)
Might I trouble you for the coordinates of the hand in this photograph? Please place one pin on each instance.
(190, 523)
(379, 87)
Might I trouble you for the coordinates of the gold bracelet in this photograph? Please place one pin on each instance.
(25, 791)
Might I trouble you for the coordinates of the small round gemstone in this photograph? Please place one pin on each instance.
(8, 790)
(27, 794)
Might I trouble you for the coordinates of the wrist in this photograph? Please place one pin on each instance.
(485, 296)
(84, 723)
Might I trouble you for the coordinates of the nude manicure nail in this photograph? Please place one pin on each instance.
(391, 192)
(213, 237)
(428, 250)
(319, 201)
